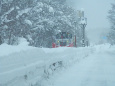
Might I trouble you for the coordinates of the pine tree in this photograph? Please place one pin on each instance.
(111, 17)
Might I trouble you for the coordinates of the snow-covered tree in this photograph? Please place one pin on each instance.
(36, 20)
(111, 36)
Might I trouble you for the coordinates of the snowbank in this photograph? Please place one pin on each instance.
(6, 49)
(25, 66)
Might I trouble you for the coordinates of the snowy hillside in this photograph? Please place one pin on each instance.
(29, 66)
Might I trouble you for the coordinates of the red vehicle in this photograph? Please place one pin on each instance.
(63, 39)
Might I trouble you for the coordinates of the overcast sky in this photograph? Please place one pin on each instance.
(96, 12)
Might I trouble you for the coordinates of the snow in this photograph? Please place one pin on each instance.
(28, 22)
(39, 10)
(40, 4)
(5, 27)
(17, 7)
(22, 12)
(4, 17)
(6, 49)
(7, 1)
(23, 65)
(51, 9)
(97, 70)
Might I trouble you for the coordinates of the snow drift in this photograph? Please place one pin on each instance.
(23, 65)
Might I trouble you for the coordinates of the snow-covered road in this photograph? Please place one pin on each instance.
(96, 70)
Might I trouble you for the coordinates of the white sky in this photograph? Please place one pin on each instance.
(96, 12)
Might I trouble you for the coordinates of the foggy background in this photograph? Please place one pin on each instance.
(96, 12)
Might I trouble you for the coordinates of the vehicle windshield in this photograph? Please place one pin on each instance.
(63, 35)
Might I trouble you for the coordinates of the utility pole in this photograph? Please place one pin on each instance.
(82, 23)
(75, 41)
(83, 32)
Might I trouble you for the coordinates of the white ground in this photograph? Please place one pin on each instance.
(29, 66)
(96, 70)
